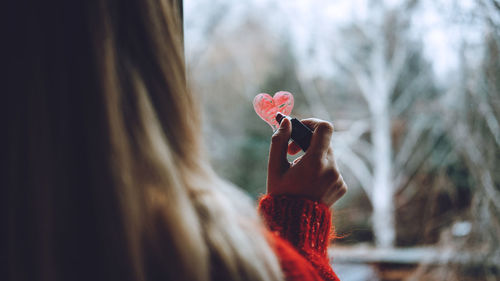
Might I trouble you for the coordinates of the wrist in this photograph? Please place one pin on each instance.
(305, 223)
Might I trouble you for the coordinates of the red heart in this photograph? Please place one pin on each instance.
(266, 106)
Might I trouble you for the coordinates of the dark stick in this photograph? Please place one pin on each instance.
(301, 134)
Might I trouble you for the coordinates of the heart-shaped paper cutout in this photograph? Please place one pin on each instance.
(266, 106)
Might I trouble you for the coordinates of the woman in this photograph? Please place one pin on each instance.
(106, 178)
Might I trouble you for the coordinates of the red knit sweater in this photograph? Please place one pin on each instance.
(301, 230)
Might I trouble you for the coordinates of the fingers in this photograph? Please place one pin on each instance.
(337, 189)
(293, 148)
(340, 190)
(312, 123)
(322, 135)
(278, 162)
(297, 160)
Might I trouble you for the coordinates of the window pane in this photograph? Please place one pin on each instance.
(412, 88)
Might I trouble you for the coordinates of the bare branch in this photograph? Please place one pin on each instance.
(410, 141)
(413, 167)
(476, 163)
(396, 66)
(491, 8)
(358, 168)
(363, 82)
(405, 98)
(313, 98)
(489, 116)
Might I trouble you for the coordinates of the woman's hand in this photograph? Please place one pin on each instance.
(314, 175)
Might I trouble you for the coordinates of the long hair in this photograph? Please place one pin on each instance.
(105, 177)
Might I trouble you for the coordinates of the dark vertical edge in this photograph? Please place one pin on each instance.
(180, 7)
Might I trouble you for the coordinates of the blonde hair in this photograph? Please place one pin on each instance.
(116, 185)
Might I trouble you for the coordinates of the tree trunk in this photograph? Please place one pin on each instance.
(383, 207)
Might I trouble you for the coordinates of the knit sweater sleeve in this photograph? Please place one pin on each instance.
(305, 226)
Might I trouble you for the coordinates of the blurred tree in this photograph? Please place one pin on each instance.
(378, 55)
(472, 113)
(477, 135)
(418, 147)
(226, 67)
(398, 146)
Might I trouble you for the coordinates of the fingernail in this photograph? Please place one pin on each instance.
(279, 117)
(284, 124)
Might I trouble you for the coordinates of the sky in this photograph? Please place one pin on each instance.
(443, 31)
(437, 23)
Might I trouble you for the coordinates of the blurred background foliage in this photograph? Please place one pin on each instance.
(412, 88)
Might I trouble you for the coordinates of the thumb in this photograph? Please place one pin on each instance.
(278, 162)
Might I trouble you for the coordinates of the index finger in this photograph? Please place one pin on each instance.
(322, 134)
